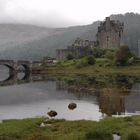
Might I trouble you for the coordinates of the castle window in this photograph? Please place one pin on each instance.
(107, 38)
(119, 34)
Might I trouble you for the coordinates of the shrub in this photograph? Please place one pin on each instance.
(81, 64)
(98, 52)
(131, 60)
(90, 60)
(99, 134)
(59, 63)
(69, 57)
(91, 79)
(37, 137)
(14, 136)
(133, 136)
(70, 81)
(109, 55)
(122, 56)
(128, 119)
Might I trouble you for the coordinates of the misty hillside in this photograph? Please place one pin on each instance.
(47, 44)
(131, 33)
(32, 42)
(14, 34)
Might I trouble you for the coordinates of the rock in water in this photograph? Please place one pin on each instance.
(72, 106)
(52, 113)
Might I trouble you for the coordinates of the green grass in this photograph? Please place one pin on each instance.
(128, 70)
(28, 129)
(80, 66)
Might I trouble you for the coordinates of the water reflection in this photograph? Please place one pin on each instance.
(4, 71)
(112, 101)
(9, 76)
(120, 98)
(132, 102)
(95, 97)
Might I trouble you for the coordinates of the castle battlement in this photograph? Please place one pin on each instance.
(109, 25)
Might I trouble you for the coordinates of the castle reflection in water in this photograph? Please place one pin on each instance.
(111, 100)
(116, 100)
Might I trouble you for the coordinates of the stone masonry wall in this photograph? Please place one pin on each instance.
(108, 37)
(109, 34)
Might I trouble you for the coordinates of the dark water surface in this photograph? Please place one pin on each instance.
(34, 99)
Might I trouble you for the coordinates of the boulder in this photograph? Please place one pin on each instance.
(72, 106)
(52, 113)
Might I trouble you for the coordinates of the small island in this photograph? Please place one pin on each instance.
(106, 55)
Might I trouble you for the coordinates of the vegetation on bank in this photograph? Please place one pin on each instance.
(101, 61)
(29, 129)
(103, 58)
(65, 70)
(98, 82)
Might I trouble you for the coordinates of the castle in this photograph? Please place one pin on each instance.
(108, 36)
(77, 49)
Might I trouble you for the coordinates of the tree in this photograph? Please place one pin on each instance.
(90, 60)
(69, 57)
(122, 56)
(109, 55)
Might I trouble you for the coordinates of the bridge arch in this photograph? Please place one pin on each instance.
(11, 66)
(12, 72)
(27, 69)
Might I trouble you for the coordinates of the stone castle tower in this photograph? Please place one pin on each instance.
(109, 34)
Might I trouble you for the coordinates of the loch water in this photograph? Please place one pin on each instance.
(95, 100)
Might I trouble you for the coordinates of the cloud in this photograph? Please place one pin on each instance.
(59, 13)
(37, 12)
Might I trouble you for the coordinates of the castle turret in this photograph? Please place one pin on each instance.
(107, 24)
(109, 34)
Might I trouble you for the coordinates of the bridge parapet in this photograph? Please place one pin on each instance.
(14, 65)
(9, 63)
(6, 61)
(36, 61)
(21, 62)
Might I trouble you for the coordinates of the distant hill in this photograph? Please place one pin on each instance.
(32, 42)
(131, 33)
(47, 44)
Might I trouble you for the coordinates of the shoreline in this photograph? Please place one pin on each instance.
(94, 70)
(60, 129)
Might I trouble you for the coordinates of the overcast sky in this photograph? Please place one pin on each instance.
(59, 13)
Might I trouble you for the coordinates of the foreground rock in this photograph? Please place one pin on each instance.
(52, 113)
(72, 106)
(44, 124)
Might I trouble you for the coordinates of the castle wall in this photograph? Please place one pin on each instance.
(75, 52)
(77, 49)
(109, 34)
(108, 37)
(61, 54)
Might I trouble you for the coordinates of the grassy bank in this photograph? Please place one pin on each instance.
(28, 129)
(100, 61)
(83, 66)
(129, 70)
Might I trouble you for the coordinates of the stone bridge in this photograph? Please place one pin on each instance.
(14, 67)
(16, 81)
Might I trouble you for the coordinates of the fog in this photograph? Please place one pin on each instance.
(62, 13)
